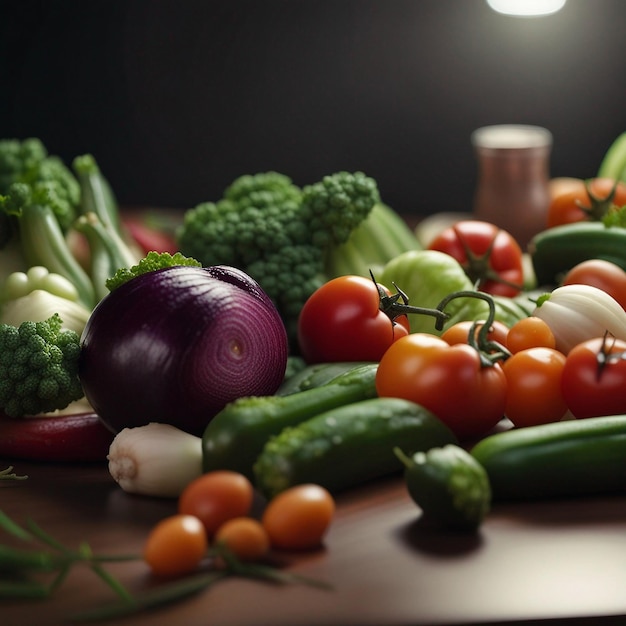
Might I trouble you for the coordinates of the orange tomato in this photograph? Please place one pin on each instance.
(216, 497)
(530, 332)
(567, 205)
(534, 394)
(245, 537)
(176, 546)
(298, 518)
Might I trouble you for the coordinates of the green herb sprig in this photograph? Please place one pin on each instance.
(37, 571)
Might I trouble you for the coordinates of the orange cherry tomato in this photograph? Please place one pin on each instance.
(565, 206)
(245, 537)
(459, 332)
(534, 394)
(216, 497)
(299, 517)
(530, 332)
(601, 274)
(176, 546)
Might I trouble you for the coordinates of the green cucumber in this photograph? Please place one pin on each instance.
(349, 445)
(563, 459)
(316, 375)
(556, 250)
(236, 435)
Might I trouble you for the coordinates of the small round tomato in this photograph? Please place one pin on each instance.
(216, 497)
(176, 546)
(342, 321)
(450, 381)
(245, 537)
(490, 256)
(595, 195)
(298, 518)
(534, 393)
(594, 378)
(530, 332)
(459, 332)
(602, 274)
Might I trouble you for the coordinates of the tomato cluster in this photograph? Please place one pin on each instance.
(516, 373)
(215, 510)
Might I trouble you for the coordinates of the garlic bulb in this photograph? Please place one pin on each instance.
(576, 313)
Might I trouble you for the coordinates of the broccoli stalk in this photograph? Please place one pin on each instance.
(38, 367)
(278, 233)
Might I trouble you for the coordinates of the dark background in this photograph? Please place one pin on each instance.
(176, 98)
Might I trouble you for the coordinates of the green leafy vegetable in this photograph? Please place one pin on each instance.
(277, 232)
(38, 367)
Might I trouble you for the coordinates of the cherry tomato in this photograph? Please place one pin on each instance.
(565, 205)
(490, 256)
(245, 537)
(594, 378)
(216, 497)
(176, 546)
(298, 518)
(459, 332)
(450, 381)
(530, 332)
(601, 274)
(534, 393)
(342, 321)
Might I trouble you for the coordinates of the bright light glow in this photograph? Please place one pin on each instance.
(526, 8)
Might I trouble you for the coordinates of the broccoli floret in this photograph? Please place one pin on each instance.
(279, 233)
(150, 263)
(28, 162)
(38, 367)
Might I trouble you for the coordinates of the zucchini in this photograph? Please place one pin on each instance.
(556, 250)
(349, 445)
(236, 435)
(316, 375)
(562, 459)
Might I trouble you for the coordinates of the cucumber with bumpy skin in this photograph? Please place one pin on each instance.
(236, 435)
(556, 250)
(316, 375)
(562, 459)
(348, 446)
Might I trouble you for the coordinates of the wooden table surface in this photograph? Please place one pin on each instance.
(563, 561)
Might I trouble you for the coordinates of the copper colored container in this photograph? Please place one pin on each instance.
(513, 175)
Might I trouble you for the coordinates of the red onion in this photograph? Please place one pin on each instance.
(176, 345)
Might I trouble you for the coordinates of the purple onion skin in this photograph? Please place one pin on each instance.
(176, 345)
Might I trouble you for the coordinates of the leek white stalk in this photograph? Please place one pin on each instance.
(155, 460)
(576, 313)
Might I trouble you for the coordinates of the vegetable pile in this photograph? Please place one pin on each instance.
(302, 340)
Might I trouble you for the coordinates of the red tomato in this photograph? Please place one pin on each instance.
(594, 378)
(534, 394)
(566, 205)
(459, 332)
(490, 256)
(216, 497)
(601, 274)
(342, 321)
(450, 381)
